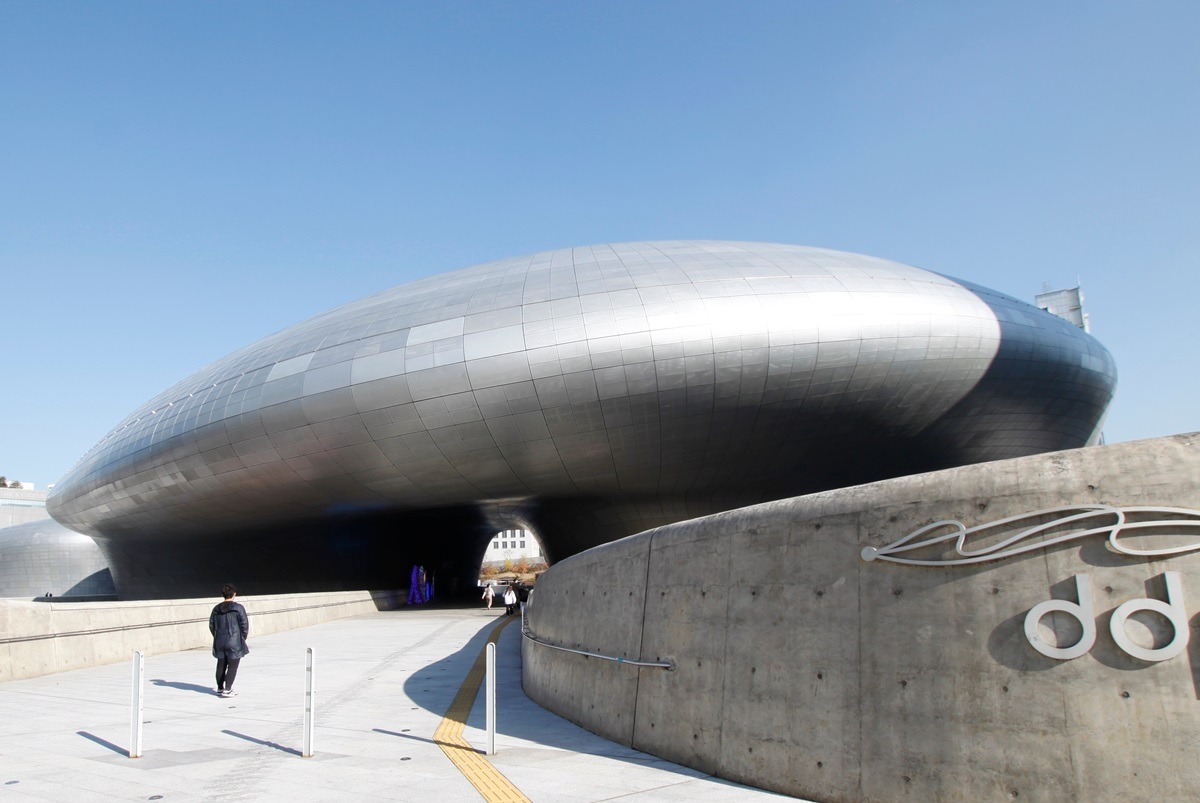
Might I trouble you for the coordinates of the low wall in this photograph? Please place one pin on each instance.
(38, 638)
(804, 668)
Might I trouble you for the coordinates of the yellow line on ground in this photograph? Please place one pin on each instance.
(486, 779)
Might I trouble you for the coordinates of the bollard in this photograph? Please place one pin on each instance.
(135, 706)
(309, 703)
(491, 699)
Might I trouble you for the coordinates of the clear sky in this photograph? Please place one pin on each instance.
(178, 180)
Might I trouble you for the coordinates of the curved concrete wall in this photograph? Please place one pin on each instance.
(803, 668)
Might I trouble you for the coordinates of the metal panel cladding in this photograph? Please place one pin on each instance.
(43, 557)
(679, 376)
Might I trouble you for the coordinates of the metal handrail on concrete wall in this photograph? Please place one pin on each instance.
(525, 631)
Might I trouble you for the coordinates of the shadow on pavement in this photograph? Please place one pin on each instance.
(433, 687)
(174, 684)
(104, 743)
(404, 735)
(273, 745)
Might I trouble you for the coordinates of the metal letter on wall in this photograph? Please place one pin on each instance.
(1043, 528)
(1084, 612)
(1172, 609)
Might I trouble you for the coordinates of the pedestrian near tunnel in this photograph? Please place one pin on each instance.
(229, 626)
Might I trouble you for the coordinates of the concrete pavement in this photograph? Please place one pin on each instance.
(385, 682)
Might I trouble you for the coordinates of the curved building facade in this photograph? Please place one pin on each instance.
(43, 557)
(585, 393)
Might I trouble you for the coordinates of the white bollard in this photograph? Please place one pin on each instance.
(491, 699)
(135, 706)
(309, 702)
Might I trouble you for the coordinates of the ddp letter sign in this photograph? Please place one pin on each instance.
(1084, 611)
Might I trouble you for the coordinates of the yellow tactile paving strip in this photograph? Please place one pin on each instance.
(486, 779)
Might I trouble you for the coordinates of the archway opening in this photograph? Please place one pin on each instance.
(512, 556)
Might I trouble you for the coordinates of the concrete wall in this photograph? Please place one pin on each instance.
(38, 638)
(804, 669)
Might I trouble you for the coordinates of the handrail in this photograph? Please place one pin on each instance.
(667, 665)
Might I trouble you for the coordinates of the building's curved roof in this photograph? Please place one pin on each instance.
(637, 371)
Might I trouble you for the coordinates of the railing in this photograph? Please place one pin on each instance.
(525, 631)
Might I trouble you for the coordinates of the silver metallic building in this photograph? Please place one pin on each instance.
(40, 557)
(586, 393)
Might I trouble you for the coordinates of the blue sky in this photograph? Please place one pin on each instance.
(178, 180)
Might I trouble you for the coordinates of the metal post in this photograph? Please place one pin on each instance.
(309, 702)
(491, 699)
(135, 706)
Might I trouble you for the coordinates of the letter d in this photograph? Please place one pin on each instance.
(1083, 611)
(1172, 609)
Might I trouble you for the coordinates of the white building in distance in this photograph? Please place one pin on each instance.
(22, 505)
(514, 546)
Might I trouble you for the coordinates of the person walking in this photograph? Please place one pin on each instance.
(489, 594)
(229, 626)
(416, 584)
(510, 601)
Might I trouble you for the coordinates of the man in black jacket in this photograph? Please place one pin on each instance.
(229, 626)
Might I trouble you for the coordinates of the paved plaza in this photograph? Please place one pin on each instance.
(385, 684)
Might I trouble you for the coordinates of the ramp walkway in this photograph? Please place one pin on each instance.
(396, 719)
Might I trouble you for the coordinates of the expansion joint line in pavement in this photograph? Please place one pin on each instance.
(486, 779)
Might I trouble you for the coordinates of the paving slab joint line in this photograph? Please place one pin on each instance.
(481, 773)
